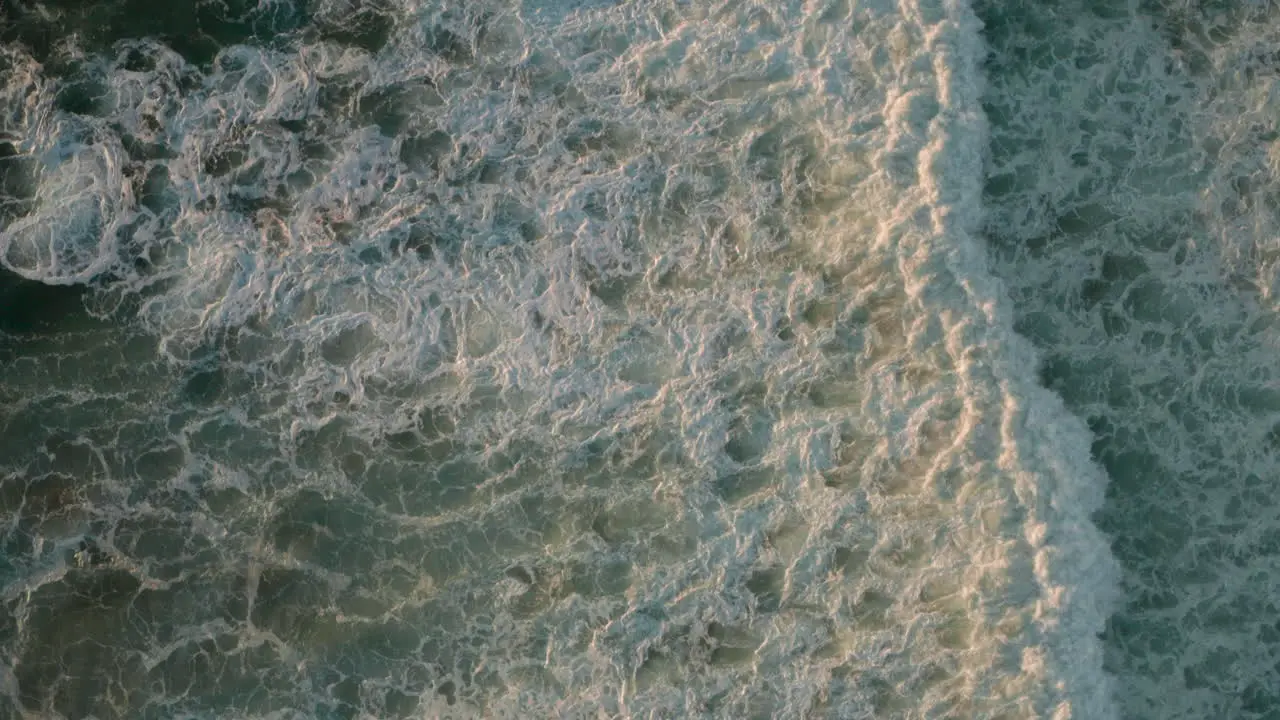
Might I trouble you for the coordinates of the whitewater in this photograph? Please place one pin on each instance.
(648, 358)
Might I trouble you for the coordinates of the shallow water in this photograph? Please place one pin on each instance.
(652, 359)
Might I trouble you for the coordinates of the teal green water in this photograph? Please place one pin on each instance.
(1133, 214)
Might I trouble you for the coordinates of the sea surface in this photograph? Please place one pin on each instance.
(639, 359)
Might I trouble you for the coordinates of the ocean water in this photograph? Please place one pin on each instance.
(639, 358)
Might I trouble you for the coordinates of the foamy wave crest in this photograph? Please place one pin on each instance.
(79, 203)
(545, 359)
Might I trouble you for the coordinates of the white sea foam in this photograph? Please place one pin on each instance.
(552, 360)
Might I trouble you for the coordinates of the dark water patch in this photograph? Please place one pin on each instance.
(290, 603)
(449, 45)
(366, 25)
(766, 587)
(425, 152)
(64, 662)
(81, 95)
(391, 108)
(28, 307)
(205, 386)
(195, 30)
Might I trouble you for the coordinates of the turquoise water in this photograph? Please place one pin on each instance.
(637, 359)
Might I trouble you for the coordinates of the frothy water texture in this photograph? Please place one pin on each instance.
(1132, 210)
(650, 358)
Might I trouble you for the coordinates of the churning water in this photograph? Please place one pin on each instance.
(639, 358)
